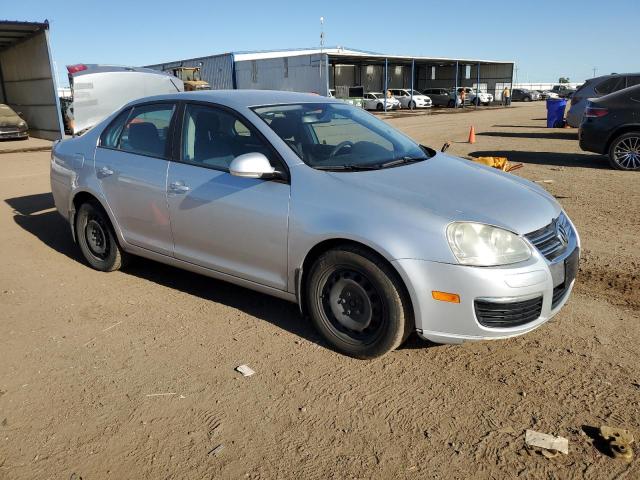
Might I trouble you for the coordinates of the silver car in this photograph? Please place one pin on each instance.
(318, 202)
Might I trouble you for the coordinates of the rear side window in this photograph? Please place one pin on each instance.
(111, 134)
(147, 130)
(633, 80)
(611, 85)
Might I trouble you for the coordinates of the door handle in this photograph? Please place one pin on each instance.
(104, 172)
(178, 187)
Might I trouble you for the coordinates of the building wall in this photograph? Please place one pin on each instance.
(299, 73)
(217, 70)
(29, 85)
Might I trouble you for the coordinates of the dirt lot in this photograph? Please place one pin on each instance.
(131, 374)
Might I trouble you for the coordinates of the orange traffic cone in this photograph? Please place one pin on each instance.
(472, 135)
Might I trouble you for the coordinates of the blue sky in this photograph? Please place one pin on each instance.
(546, 38)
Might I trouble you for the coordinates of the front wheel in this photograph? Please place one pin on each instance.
(526, 99)
(97, 239)
(624, 152)
(412, 105)
(379, 107)
(451, 104)
(358, 303)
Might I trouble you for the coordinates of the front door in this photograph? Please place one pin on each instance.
(131, 164)
(230, 224)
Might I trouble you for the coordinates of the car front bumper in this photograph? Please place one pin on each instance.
(443, 322)
(7, 133)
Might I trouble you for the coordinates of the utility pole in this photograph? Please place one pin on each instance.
(595, 69)
(321, 42)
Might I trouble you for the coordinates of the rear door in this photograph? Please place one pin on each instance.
(233, 225)
(131, 164)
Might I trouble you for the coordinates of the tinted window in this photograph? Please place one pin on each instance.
(213, 137)
(147, 130)
(634, 80)
(611, 85)
(111, 134)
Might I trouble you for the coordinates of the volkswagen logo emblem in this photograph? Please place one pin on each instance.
(562, 234)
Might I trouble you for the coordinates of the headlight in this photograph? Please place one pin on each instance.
(483, 245)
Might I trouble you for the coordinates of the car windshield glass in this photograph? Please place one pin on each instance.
(340, 136)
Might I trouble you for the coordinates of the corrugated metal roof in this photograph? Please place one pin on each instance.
(12, 31)
(349, 52)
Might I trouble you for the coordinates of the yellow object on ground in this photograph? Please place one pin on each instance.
(501, 163)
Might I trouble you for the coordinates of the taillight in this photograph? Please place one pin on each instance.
(76, 68)
(595, 112)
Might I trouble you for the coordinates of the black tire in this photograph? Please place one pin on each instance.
(382, 319)
(97, 239)
(627, 142)
(451, 104)
(379, 107)
(526, 99)
(412, 105)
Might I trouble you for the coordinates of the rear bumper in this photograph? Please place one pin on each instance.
(592, 138)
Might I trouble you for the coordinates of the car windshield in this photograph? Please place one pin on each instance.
(336, 136)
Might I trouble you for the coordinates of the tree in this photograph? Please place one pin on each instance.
(563, 80)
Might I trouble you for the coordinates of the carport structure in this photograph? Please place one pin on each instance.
(377, 72)
(27, 79)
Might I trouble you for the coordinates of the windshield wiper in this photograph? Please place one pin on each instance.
(350, 167)
(401, 161)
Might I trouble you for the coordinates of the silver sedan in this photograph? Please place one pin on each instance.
(317, 202)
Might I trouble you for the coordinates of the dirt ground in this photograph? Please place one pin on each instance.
(131, 374)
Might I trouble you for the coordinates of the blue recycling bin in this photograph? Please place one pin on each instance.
(555, 112)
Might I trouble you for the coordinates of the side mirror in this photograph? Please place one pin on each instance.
(252, 165)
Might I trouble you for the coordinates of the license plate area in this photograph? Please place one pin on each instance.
(565, 271)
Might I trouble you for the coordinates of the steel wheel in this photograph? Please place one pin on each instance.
(352, 307)
(96, 238)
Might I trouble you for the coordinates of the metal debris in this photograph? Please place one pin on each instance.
(549, 444)
(216, 450)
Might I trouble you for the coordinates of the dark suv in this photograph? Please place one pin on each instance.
(611, 125)
(598, 87)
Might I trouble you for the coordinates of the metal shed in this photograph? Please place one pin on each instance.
(27, 78)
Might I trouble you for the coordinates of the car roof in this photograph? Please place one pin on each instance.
(242, 98)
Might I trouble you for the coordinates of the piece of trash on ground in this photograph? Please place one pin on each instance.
(245, 370)
(544, 181)
(216, 450)
(619, 442)
(501, 163)
(550, 444)
(160, 394)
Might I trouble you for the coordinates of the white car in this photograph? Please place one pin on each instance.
(483, 98)
(419, 100)
(375, 101)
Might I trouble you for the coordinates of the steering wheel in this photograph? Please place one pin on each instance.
(340, 146)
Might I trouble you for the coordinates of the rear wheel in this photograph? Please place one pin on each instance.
(379, 107)
(358, 303)
(526, 99)
(412, 105)
(97, 239)
(624, 152)
(451, 104)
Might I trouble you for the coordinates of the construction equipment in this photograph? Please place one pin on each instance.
(191, 78)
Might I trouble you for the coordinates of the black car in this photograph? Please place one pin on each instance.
(521, 95)
(611, 125)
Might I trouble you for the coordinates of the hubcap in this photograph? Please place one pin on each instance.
(96, 238)
(352, 305)
(627, 153)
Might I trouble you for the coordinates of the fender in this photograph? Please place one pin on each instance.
(100, 199)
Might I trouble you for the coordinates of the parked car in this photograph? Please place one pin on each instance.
(523, 95)
(483, 98)
(540, 94)
(598, 87)
(440, 97)
(376, 101)
(320, 203)
(563, 91)
(611, 126)
(407, 100)
(12, 126)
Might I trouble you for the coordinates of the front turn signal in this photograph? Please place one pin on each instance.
(445, 297)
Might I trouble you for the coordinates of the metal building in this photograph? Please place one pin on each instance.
(315, 70)
(27, 78)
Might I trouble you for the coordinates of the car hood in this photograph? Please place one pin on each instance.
(459, 190)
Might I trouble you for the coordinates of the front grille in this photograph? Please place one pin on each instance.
(511, 314)
(552, 240)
